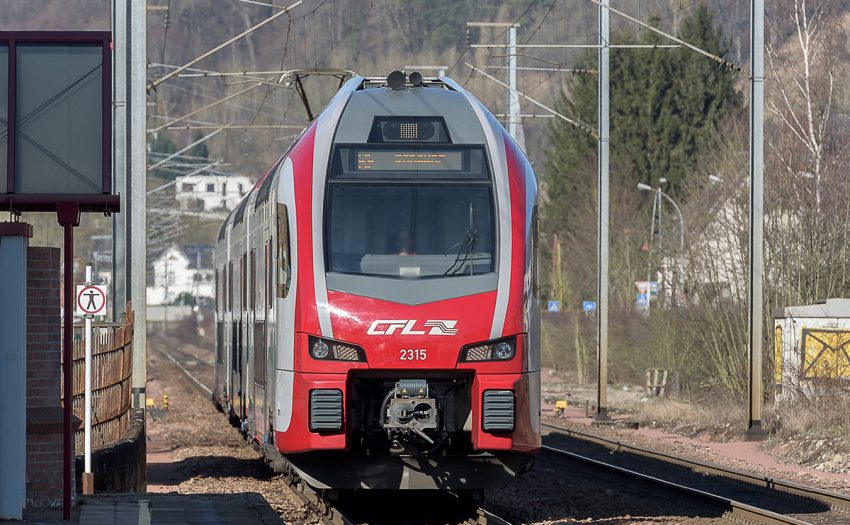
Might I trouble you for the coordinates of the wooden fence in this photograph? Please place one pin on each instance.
(112, 368)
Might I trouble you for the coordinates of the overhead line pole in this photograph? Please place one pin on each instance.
(120, 239)
(602, 227)
(510, 64)
(756, 295)
(513, 98)
(136, 198)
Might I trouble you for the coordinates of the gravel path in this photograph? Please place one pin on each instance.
(193, 449)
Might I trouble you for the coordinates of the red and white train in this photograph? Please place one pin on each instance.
(377, 307)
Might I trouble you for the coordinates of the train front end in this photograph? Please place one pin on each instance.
(414, 354)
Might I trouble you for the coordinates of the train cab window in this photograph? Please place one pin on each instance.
(411, 230)
(283, 260)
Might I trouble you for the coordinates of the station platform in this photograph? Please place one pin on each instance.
(247, 508)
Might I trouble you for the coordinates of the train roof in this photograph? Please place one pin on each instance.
(433, 97)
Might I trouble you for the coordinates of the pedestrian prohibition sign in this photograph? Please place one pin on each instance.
(91, 300)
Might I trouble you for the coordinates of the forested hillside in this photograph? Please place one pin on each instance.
(368, 36)
(676, 116)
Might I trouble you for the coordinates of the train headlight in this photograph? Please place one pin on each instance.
(498, 350)
(329, 350)
(320, 349)
(503, 350)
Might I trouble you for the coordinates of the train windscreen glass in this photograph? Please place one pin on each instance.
(410, 230)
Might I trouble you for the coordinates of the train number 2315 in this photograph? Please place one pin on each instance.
(413, 354)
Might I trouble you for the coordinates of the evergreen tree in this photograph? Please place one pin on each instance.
(667, 108)
(200, 150)
(164, 147)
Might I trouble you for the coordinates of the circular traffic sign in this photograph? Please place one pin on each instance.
(91, 300)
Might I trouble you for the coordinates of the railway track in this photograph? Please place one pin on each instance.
(328, 509)
(744, 495)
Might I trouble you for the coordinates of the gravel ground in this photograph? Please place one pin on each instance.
(559, 491)
(760, 461)
(208, 454)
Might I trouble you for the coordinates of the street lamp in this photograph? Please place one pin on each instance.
(657, 206)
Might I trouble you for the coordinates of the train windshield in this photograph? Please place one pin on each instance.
(410, 230)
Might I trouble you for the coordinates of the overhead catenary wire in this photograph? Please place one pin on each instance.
(194, 93)
(204, 108)
(243, 34)
(264, 4)
(576, 123)
(237, 126)
(720, 60)
(187, 148)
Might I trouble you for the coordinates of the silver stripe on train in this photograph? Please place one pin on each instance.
(503, 201)
(325, 128)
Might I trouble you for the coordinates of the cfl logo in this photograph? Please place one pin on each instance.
(408, 327)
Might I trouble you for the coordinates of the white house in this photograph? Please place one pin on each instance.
(186, 270)
(211, 192)
(718, 259)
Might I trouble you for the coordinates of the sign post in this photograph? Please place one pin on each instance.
(91, 301)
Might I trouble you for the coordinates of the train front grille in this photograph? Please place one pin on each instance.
(498, 411)
(325, 410)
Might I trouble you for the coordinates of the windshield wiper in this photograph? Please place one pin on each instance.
(466, 249)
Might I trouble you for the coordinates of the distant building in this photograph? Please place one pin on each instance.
(211, 192)
(181, 270)
(102, 258)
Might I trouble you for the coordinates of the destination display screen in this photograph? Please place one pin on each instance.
(367, 161)
(408, 160)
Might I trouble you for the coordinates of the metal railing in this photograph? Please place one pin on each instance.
(112, 368)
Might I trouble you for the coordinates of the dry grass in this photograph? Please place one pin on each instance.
(821, 413)
(721, 420)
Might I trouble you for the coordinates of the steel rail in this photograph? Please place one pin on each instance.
(832, 498)
(739, 509)
(485, 517)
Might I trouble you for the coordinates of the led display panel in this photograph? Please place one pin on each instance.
(407, 160)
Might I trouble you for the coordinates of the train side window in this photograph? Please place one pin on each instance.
(229, 287)
(219, 347)
(234, 344)
(244, 282)
(282, 251)
(535, 250)
(269, 276)
(253, 280)
(217, 293)
(260, 353)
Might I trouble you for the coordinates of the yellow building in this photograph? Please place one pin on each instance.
(811, 344)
